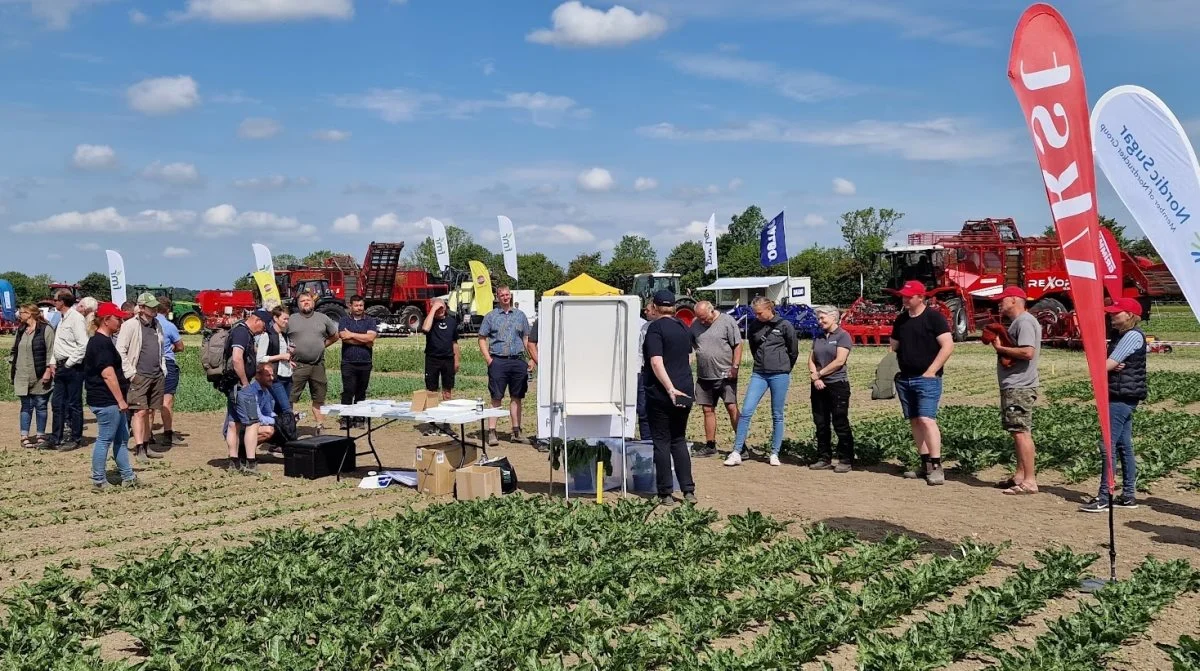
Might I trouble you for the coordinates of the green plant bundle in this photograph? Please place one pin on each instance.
(1169, 386)
(948, 636)
(1185, 655)
(1121, 610)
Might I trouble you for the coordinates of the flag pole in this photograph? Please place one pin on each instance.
(789, 258)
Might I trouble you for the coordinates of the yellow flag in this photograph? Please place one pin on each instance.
(483, 287)
(266, 288)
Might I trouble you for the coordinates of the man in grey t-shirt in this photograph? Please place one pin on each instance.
(1017, 371)
(310, 332)
(718, 346)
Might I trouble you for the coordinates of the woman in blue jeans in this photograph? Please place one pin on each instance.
(273, 347)
(31, 372)
(106, 389)
(1126, 388)
(775, 350)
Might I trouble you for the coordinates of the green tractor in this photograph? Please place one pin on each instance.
(184, 314)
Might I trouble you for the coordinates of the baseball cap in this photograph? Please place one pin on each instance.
(263, 315)
(1012, 292)
(107, 310)
(146, 298)
(1124, 305)
(912, 288)
(664, 297)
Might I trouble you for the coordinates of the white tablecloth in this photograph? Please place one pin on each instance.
(402, 410)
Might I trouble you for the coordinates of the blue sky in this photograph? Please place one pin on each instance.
(180, 131)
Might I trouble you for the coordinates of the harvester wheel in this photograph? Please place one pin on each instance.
(958, 319)
(1053, 316)
(332, 310)
(379, 312)
(411, 316)
(191, 323)
(685, 311)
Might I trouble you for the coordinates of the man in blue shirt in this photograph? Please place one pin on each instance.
(503, 340)
(358, 331)
(172, 343)
(252, 419)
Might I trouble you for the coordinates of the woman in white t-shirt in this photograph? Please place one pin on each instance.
(274, 348)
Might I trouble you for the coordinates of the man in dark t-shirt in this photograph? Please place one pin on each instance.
(358, 331)
(442, 355)
(922, 342)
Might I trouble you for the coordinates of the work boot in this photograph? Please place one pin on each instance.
(706, 450)
(143, 454)
(171, 439)
(516, 435)
(492, 439)
(821, 465)
(843, 467)
(935, 476)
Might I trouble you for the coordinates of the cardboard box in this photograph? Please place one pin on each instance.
(435, 468)
(423, 400)
(477, 482)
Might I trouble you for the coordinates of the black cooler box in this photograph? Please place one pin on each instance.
(318, 456)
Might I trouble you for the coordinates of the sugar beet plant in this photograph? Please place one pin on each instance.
(513, 583)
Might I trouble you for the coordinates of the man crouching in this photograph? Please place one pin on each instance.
(252, 419)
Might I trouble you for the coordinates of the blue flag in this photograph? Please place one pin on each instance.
(773, 242)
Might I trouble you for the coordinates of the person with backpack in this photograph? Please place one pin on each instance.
(241, 361)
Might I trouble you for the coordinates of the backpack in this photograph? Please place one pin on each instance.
(285, 428)
(214, 357)
(885, 377)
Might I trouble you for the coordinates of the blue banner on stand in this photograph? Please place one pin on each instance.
(773, 242)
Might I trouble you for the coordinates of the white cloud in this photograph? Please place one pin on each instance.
(226, 220)
(595, 180)
(844, 187)
(347, 224)
(488, 67)
(163, 95)
(234, 98)
(258, 128)
(559, 234)
(401, 105)
(137, 18)
(577, 25)
(54, 257)
(645, 184)
(88, 247)
(55, 13)
(178, 174)
(265, 11)
(940, 139)
(271, 183)
(107, 220)
(94, 157)
(735, 184)
(176, 252)
(814, 220)
(392, 223)
(798, 85)
(331, 135)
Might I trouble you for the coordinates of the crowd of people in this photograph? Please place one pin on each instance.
(122, 359)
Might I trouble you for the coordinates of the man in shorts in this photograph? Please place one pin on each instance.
(310, 332)
(1017, 371)
(172, 343)
(442, 357)
(502, 342)
(140, 344)
(718, 347)
(922, 342)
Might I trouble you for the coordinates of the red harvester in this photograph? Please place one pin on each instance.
(222, 307)
(397, 296)
(961, 270)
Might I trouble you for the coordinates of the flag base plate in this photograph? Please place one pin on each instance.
(1093, 585)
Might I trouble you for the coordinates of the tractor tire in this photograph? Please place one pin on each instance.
(411, 316)
(190, 323)
(332, 310)
(379, 312)
(685, 311)
(1054, 317)
(959, 327)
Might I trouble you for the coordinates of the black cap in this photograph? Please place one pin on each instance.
(263, 315)
(664, 297)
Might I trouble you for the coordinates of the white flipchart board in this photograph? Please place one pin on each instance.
(591, 374)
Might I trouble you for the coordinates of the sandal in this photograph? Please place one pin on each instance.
(1019, 490)
(1006, 484)
(28, 442)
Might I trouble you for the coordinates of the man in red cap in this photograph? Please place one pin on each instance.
(1126, 388)
(1017, 371)
(922, 342)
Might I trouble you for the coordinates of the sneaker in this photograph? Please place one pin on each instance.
(100, 486)
(492, 439)
(233, 465)
(734, 459)
(842, 467)
(775, 460)
(1125, 502)
(690, 498)
(666, 501)
(704, 450)
(516, 436)
(250, 468)
(936, 476)
(133, 483)
(821, 465)
(1095, 505)
(541, 446)
(69, 445)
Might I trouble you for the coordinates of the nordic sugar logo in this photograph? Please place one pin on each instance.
(1196, 248)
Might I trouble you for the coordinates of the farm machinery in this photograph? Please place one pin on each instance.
(220, 308)
(187, 315)
(397, 296)
(646, 285)
(963, 270)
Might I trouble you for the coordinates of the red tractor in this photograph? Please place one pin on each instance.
(222, 307)
(397, 296)
(961, 270)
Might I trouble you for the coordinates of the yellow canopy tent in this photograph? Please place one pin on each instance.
(584, 285)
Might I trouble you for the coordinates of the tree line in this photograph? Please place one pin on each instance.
(34, 288)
